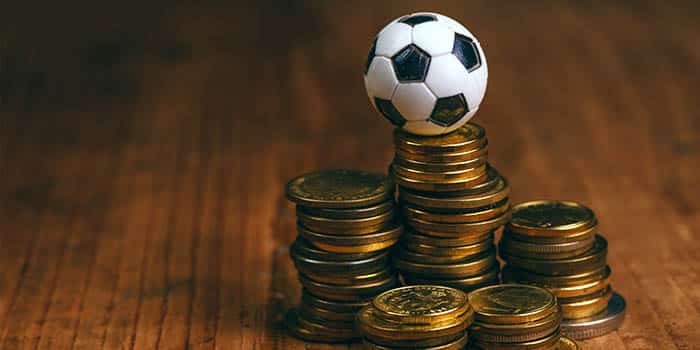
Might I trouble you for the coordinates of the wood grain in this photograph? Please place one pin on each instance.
(144, 149)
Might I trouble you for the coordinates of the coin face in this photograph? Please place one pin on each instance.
(423, 300)
(551, 215)
(339, 189)
(511, 303)
(466, 137)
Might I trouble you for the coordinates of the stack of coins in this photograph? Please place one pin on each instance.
(554, 244)
(516, 316)
(451, 203)
(417, 317)
(346, 225)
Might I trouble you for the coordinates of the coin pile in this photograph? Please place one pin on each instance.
(417, 317)
(346, 225)
(516, 316)
(451, 203)
(555, 245)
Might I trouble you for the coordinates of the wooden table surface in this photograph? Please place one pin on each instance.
(144, 149)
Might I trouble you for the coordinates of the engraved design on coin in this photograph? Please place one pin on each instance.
(550, 214)
(420, 300)
(339, 185)
(510, 300)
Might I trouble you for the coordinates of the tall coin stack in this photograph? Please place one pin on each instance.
(346, 225)
(417, 317)
(451, 203)
(555, 245)
(516, 316)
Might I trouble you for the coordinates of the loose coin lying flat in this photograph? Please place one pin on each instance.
(605, 322)
(339, 189)
(511, 303)
(550, 218)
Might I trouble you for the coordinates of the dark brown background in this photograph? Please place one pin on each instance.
(144, 147)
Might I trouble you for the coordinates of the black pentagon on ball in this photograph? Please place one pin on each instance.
(417, 19)
(389, 111)
(370, 55)
(449, 110)
(466, 52)
(411, 64)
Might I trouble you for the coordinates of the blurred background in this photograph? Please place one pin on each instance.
(144, 147)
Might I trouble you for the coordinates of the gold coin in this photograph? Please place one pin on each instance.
(517, 332)
(303, 248)
(467, 284)
(459, 252)
(512, 246)
(468, 267)
(593, 259)
(319, 313)
(564, 281)
(567, 344)
(398, 343)
(438, 176)
(353, 243)
(360, 278)
(539, 239)
(348, 213)
(421, 304)
(310, 331)
(550, 218)
(437, 186)
(488, 196)
(480, 151)
(413, 238)
(453, 229)
(373, 325)
(511, 303)
(462, 217)
(347, 226)
(599, 324)
(465, 138)
(441, 166)
(457, 344)
(339, 307)
(569, 290)
(348, 292)
(339, 189)
(586, 306)
(549, 342)
(349, 267)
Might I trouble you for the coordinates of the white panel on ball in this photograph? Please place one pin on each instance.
(395, 37)
(454, 25)
(423, 128)
(414, 101)
(381, 80)
(446, 76)
(472, 92)
(433, 37)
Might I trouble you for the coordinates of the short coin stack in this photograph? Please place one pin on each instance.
(451, 203)
(554, 244)
(516, 316)
(417, 317)
(346, 225)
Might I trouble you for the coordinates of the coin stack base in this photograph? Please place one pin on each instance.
(451, 202)
(516, 316)
(419, 317)
(554, 245)
(346, 226)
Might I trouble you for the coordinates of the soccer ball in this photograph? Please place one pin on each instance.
(426, 73)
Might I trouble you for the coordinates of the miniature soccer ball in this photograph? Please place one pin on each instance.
(426, 73)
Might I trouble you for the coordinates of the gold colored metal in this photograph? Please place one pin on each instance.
(539, 239)
(339, 189)
(343, 267)
(517, 275)
(512, 246)
(480, 151)
(550, 218)
(586, 306)
(353, 243)
(517, 332)
(438, 186)
(458, 344)
(472, 216)
(362, 278)
(413, 238)
(567, 344)
(487, 196)
(454, 229)
(303, 248)
(467, 284)
(373, 325)
(593, 259)
(421, 304)
(312, 331)
(347, 226)
(469, 267)
(348, 292)
(565, 290)
(511, 303)
(348, 213)
(440, 176)
(440, 166)
(459, 252)
(547, 343)
(340, 307)
(467, 137)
